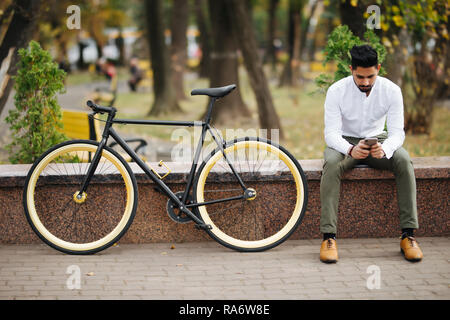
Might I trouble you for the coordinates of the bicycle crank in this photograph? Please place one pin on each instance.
(174, 212)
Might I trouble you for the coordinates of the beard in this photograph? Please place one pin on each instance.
(365, 88)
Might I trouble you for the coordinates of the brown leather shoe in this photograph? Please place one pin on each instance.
(410, 249)
(328, 251)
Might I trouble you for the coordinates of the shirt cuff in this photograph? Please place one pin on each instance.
(344, 147)
(388, 152)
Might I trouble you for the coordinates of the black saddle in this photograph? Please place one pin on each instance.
(214, 92)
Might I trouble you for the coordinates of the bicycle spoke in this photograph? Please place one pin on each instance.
(251, 223)
(76, 222)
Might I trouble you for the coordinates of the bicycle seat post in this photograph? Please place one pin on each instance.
(208, 114)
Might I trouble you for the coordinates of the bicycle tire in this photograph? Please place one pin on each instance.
(66, 164)
(270, 238)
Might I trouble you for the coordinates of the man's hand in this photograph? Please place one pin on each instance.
(360, 151)
(377, 151)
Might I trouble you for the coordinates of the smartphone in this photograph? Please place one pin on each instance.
(370, 141)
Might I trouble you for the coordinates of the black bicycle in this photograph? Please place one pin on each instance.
(230, 195)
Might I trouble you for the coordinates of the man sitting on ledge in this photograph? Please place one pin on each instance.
(357, 107)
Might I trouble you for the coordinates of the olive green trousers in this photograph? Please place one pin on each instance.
(336, 163)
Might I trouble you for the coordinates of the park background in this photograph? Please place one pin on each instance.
(274, 50)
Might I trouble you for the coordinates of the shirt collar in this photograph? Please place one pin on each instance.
(363, 93)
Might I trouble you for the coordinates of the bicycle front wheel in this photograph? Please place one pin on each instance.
(77, 223)
(259, 222)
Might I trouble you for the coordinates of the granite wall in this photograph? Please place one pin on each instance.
(368, 204)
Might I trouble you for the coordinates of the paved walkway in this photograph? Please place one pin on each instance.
(207, 270)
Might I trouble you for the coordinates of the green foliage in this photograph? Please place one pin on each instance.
(422, 19)
(337, 49)
(36, 121)
(427, 66)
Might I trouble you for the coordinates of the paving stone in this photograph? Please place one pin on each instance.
(205, 272)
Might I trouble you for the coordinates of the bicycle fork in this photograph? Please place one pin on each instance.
(92, 168)
(97, 156)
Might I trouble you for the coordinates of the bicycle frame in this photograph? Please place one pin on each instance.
(109, 131)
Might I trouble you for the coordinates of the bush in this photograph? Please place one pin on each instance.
(338, 46)
(36, 121)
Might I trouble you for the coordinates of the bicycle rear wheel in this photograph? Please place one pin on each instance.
(73, 223)
(259, 222)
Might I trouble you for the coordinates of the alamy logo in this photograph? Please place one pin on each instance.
(373, 22)
(74, 280)
(374, 280)
(74, 20)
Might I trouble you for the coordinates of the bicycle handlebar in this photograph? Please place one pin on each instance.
(99, 109)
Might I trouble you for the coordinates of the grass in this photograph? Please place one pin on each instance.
(301, 115)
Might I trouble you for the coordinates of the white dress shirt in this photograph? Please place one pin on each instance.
(349, 112)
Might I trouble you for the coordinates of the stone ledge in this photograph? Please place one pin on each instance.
(424, 168)
(368, 204)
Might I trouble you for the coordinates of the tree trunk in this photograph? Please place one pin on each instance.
(352, 16)
(120, 44)
(165, 99)
(428, 73)
(224, 64)
(395, 63)
(243, 29)
(204, 39)
(81, 64)
(178, 49)
(308, 29)
(443, 88)
(270, 56)
(320, 25)
(5, 16)
(18, 34)
(99, 50)
(291, 75)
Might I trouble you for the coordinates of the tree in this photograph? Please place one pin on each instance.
(116, 16)
(204, 38)
(224, 63)
(36, 121)
(165, 98)
(418, 31)
(307, 28)
(25, 14)
(53, 30)
(95, 23)
(243, 29)
(270, 55)
(178, 48)
(291, 75)
(351, 13)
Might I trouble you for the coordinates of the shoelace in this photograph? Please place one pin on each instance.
(329, 243)
(412, 241)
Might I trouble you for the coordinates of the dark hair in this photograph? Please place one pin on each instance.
(363, 56)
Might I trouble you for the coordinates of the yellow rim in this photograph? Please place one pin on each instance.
(298, 206)
(40, 226)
